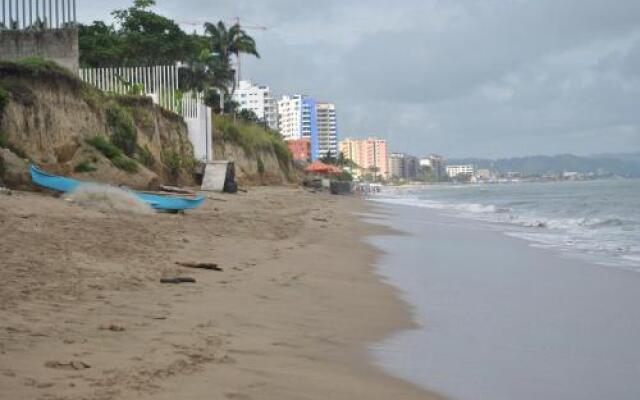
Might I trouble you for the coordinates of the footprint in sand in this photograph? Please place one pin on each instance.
(237, 396)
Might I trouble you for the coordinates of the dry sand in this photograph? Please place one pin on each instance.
(83, 315)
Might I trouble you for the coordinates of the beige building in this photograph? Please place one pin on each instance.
(371, 155)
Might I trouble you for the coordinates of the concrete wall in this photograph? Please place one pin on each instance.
(199, 130)
(59, 45)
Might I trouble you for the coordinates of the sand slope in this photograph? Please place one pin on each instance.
(83, 315)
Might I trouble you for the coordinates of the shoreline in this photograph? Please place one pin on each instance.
(505, 319)
(291, 316)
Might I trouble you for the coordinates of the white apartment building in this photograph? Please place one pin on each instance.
(457, 170)
(290, 117)
(258, 99)
(327, 130)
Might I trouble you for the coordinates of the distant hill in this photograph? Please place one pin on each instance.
(627, 165)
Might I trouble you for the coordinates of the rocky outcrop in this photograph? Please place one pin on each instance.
(47, 115)
(14, 171)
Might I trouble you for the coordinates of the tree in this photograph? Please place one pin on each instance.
(100, 45)
(150, 38)
(139, 37)
(228, 42)
(329, 158)
(249, 116)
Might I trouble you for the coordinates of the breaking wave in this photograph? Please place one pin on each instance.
(589, 227)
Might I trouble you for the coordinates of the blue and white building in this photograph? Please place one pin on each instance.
(302, 116)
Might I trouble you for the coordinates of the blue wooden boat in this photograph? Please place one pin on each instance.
(157, 201)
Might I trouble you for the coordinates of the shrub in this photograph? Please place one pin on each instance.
(345, 176)
(4, 100)
(145, 157)
(103, 146)
(125, 163)
(231, 133)
(282, 153)
(3, 141)
(124, 134)
(173, 161)
(84, 166)
(260, 166)
(39, 68)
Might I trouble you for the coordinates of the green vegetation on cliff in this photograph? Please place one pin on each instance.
(124, 134)
(113, 153)
(252, 138)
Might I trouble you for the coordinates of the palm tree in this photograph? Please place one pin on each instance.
(227, 42)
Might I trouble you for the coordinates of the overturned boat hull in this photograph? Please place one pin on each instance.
(157, 201)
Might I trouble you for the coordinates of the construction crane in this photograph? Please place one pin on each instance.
(245, 27)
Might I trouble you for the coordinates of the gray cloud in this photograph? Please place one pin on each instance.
(460, 77)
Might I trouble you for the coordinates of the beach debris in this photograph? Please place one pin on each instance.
(175, 189)
(178, 280)
(208, 266)
(5, 191)
(112, 328)
(108, 199)
(72, 365)
(320, 219)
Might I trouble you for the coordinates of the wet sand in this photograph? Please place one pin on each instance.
(83, 315)
(503, 320)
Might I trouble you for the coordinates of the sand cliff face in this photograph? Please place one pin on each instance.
(247, 165)
(47, 116)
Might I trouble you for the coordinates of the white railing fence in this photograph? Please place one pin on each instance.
(159, 82)
(37, 14)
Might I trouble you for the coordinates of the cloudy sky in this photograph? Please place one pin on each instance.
(489, 78)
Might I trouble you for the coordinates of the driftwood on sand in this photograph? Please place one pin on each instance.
(175, 189)
(208, 266)
(177, 280)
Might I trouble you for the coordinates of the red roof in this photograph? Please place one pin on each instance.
(318, 167)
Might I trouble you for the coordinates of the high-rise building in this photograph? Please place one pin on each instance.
(433, 165)
(290, 117)
(258, 99)
(327, 128)
(370, 155)
(303, 117)
(460, 170)
(403, 166)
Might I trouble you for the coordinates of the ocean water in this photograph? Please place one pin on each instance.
(520, 291)
(595, 220)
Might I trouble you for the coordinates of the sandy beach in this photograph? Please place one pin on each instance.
(84, 316)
